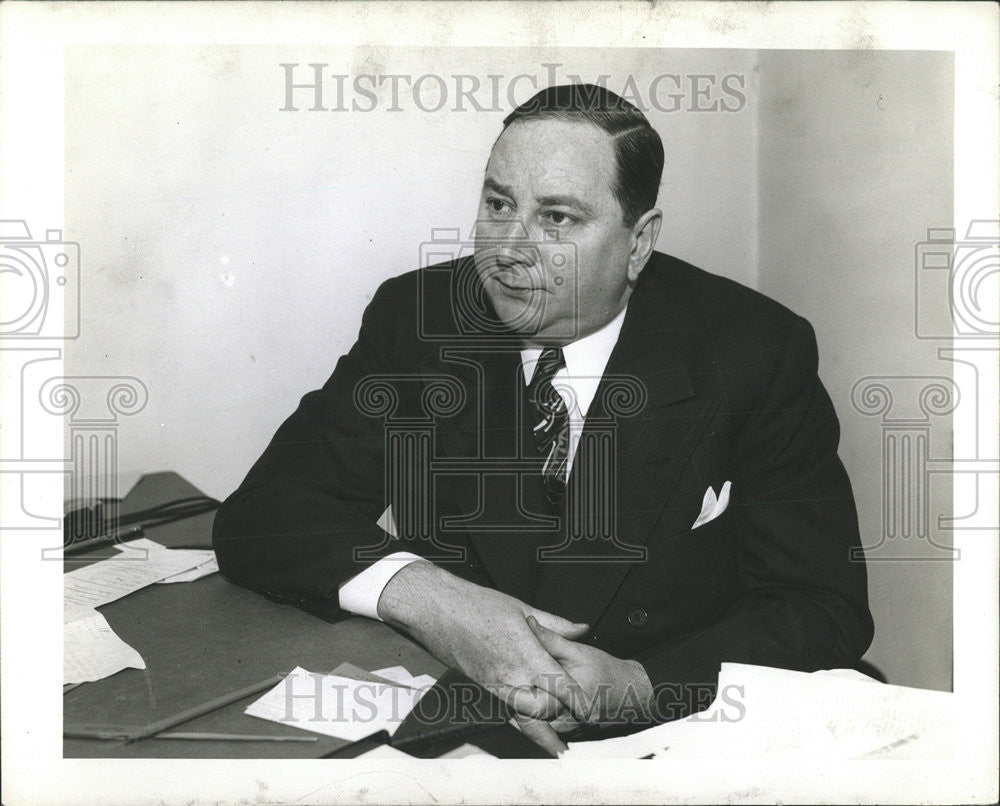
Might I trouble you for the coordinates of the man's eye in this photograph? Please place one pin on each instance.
(497, 205)
(557, 217)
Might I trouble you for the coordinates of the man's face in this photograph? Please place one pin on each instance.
(552, 248)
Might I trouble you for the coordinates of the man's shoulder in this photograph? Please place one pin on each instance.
(697, 296)
(433, 282)
(438, 302)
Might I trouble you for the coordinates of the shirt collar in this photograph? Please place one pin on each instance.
(586, 359)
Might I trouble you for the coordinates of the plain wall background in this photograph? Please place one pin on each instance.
(229, 248)
(855, 164)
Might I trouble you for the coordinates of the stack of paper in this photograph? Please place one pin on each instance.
(91, 650)
(760, 712)
(340, 706)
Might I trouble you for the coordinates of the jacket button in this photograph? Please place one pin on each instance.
(638, 617)
(475, 565)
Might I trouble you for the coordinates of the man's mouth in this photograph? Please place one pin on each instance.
(514, 283)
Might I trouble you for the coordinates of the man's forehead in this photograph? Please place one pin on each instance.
(546, 157)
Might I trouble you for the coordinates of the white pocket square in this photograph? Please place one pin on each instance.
(387, 522)
(712, 506)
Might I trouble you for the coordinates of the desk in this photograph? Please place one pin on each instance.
(204, 639)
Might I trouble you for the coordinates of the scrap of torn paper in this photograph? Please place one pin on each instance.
(467, 751)
(336, 706)
(92, 650)
(205, 558)
(388, 752)
(209, 566)
(385, 751)
(399, 675)
(140, 563)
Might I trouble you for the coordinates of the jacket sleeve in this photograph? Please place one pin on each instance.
(291, 529)
(803, 599)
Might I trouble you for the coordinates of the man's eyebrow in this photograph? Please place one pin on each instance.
(551, 200)
(499, 187)
(564, 200)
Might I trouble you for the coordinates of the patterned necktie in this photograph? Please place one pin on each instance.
(551, 423)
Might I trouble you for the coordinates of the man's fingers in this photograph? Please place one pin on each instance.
(561, 626)
(564, 723)
(542, 734)
(566, 690)
(530, 701)
(556, 645)
(557, 681)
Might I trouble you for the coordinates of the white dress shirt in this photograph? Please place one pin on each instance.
(576, 383)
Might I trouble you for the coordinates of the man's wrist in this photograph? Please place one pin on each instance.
(405, 594)
(642, 686)
(360, 594)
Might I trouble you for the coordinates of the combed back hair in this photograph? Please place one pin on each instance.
(638, 148)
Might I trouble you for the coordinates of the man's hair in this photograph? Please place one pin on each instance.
(638, 148)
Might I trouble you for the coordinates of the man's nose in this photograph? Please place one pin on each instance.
(497, 230)
(513, 256)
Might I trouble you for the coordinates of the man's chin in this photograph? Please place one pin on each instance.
(521, 310)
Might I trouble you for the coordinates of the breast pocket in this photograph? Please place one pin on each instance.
(697, 569)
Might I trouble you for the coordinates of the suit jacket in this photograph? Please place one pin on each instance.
(709, 382)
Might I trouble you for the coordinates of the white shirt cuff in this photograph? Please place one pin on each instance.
(360, 594)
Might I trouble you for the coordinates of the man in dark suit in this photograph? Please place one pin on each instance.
(606, 471)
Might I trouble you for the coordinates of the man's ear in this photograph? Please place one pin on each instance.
(644, 234)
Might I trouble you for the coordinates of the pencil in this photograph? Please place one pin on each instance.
(73, 733)
(212, 705)
(120, 536)
(232, 737)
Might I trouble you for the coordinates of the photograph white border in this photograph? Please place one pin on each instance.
(33, 37)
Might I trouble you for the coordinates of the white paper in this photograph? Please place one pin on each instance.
(92, 650)
(385, 751)
(760, 712)
(209, 566)
(467, 751)
(335, 706)
(399, 674)
(140, 563)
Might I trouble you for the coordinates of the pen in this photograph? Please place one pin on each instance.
(205, 708)
(118, 536)
(121, 733)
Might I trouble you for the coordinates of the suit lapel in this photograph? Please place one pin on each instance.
(647, 403)
(485, 439)
(645, 421)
